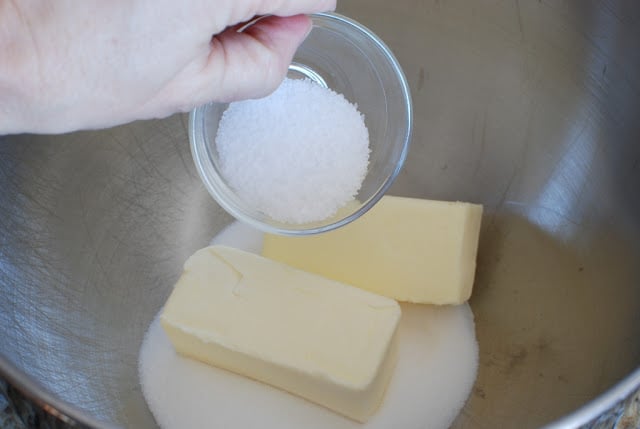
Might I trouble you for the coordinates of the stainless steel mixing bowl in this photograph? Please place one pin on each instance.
(529, 107)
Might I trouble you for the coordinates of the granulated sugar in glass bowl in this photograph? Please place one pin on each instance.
(297, 155)
(298, 161)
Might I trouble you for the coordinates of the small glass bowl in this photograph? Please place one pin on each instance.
(340, 54)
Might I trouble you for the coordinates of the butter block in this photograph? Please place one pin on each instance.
(330, 343)
(407, 249)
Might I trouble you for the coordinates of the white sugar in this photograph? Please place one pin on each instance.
(437, 364)
(297, 155)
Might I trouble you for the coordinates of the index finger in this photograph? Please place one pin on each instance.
(294, 7)
(240, 11)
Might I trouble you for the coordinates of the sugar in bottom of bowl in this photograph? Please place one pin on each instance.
(436, 369)
(297, 155)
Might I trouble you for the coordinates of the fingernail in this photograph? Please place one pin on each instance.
(251, 22)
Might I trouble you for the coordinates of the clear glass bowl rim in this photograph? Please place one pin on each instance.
(212, 180)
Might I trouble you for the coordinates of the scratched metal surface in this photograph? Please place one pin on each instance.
(529, 107)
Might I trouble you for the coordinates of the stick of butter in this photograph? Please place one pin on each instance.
(327, 342)
(408, 249)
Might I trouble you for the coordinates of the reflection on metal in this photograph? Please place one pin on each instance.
(560, 198)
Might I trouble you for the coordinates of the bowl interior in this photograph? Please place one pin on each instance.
(530, 108)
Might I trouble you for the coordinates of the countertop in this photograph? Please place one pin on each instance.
(8, 418)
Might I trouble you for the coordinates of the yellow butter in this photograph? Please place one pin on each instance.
(408, 249)
(330, 343)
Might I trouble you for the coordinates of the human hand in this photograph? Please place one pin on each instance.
(68, 65)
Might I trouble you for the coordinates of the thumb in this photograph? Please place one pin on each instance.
(252, 63)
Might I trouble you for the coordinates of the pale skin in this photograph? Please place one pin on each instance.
(67, 64)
